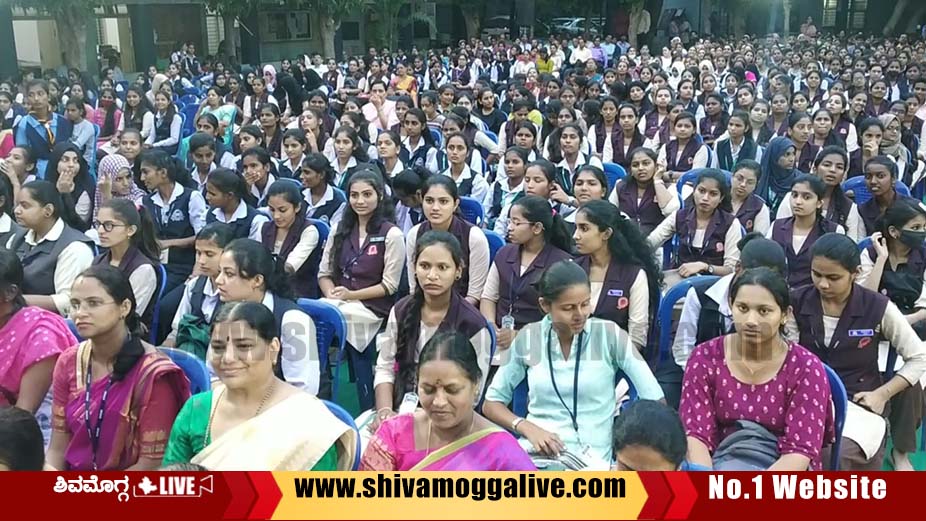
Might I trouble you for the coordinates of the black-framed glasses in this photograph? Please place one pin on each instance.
(108, 225)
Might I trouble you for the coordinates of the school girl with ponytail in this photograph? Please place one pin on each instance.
(227, 194)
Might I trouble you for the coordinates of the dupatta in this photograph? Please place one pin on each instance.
(291, 435)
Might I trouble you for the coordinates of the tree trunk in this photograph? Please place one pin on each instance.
(329, 26)
(896, 16)
(72, 35)
(787, 9)
(231, 36)
(472, 21)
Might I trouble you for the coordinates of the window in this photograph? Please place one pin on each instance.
(857, 14)
(285, 26)
(829, 12)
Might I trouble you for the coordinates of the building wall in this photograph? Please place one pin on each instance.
(37, 43)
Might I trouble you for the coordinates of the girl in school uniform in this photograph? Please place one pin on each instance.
(257, 167)
(435, 305)
(348, 153)
(552, 147)
(53, 252)
(292, 239)
(778, 172)
(603, 135)
(178, 212)
(258, 98)
(540, 181)
(843, 127)
(625, 280)
(418, 147)
(70, 174)
(591, 184)
(750, 210)
(871, 132)
(389, 149)
(798, 233)
(167, 125)
(893, 265)
(454, 124)
(317, 139)
(200, 295)
(800, 130)
(843, 324)
(629, 138)
(506, 190)
(294, 147)
(355, 121)
(269, 119)
(42, 127)
(642, 197)
(880, 178)
(406, 188)
(128, 235)
(685, 152)
(440, 203)
(571, 141)
(758, 118)
(248, 273)
(84, 133)
(537, 239)
(877, 100)
(778, 121)
(824, 132)
(227, 194)
(520, 110)
(707, 230)
(738, 145)
(361, 268)
(714, 122)
(322, 200)
(655, 125)
(470, 184)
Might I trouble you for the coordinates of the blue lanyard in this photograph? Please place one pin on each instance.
(574, 412)
(94, 432)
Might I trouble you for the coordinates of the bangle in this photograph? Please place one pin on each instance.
(379, 413)
(515, 423)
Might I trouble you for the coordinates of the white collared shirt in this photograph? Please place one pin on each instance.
(196, 210)
(431, 160)
(241, 213)
(480, 186)
(329, 195)
(201, 183)
(210, 303)
(261, 194)
(351, 162)
(687, 333)
(299, 347)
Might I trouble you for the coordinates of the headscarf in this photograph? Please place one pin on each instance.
(894, 149)
(156, 83)
(271, 85)
(110, 166)
(775, 181)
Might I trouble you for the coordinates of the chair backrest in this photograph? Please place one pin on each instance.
(189, 99)
(194, 368)
(155, 319)
(864, 244)
(329, 324)
(689, 178)
(840, 404)
(496, 242)
(323, 230)
(345, 417)
(189, 119)
(472, 210)
(666, 306)
(860, 193)
(438, 137)
(492, 135)
(615, 173)
(493, 339)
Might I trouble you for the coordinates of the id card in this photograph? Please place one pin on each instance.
(507, 322)
(409, 403)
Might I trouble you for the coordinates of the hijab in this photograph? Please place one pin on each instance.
(109, 167)
(775, 181)
(271, 85)
(895, 148)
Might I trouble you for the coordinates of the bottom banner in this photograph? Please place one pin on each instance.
(478, 495)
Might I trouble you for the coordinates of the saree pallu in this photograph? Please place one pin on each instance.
(491, 449)
(135, 424)
(291, 435)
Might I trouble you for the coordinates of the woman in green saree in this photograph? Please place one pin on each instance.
(253, 420)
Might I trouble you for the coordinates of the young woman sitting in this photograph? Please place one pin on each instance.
(643, 196)
(292, 239)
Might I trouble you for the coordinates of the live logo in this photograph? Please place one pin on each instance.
(173, 486)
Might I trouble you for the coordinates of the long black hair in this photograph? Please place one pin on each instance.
(411, 322)
(173, 167)
(11, 279)
(559, 277)
(317, 162)
(384, 212)
(818, 187)
(83, 182)
(538, 210)
(117, 285)
(229, 182)
(899, 214)
(253, 259)
(6, 192)
(726, 199)
(145, 238)
(359, 153)
(627, 243)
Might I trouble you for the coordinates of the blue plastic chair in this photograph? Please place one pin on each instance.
(860, 192)
(493, 338)
(864, 244)
(492, 135)
(345, 417)
(840, 404)
(689, 178)
(615, 173)
(329, 324)
(438, 137)
(155, 320)
(667, 304)
(189, 119)
(194, 368)
(520, 399)
(323, 230)
(472, 210)
(496, 242)
(190, 99)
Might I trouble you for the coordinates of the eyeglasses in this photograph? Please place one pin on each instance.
(519, 223)
(88, 305)
(108, 225)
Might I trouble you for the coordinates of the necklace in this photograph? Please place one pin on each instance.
(260, 407)
(468, 431)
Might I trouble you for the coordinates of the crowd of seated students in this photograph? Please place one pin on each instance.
(127, 230)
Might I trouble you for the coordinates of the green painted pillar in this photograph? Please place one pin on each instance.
(92, 65)
(9, 66)
(143, 36)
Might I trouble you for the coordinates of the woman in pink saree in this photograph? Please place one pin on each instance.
(445, 434)
(115, 397)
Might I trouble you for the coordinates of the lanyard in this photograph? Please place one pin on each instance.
(353, 260)
(94, 432)
(515, 289)
(574, 412)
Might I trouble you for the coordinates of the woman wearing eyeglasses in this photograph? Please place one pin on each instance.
(129, 237)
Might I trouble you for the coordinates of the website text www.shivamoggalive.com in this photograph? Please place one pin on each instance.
(525, 486)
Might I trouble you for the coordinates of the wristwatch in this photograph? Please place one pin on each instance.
(515, 422)
(710, 269)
